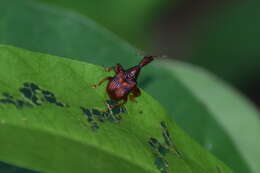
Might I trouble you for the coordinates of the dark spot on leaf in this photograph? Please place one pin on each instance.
(117, 109)
(163, 150)
(49, 97)
(26, 84)
(8, 99)
(7, 95)
(153, 142)
(163, 125)
(90, 118)
(38, 96)
(34, 99)
(161, 164)
(96, 116)
(34, 87)
(61, 104)
(157, 146)
(160, 150)
(167, 139)
(22, 103)
(87, 113)
(96, 112)
(105, 115)
(166, 134)
(26, 92)
(99, 115)
(140, 112)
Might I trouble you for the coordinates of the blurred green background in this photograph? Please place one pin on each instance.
(220, 36)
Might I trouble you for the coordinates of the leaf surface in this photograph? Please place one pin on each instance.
(41, 110)
(64, 33)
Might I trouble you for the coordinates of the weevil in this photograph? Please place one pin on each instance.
(124, 82)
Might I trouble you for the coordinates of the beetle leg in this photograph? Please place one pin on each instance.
(103, 80)
(118, 104)
(135, 93)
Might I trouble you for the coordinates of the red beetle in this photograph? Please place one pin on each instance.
(124, 82)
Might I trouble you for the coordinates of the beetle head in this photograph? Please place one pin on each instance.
(132, 73)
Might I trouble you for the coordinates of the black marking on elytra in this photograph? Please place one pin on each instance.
(95, 116)
(160, 150)
(9, 99)
(38, 96)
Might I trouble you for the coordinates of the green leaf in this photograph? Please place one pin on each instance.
(228, 40)
(125, 18)
(233, 120)
(43, 127)
(64, 33)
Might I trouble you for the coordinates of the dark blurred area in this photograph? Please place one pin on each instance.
(221, 36)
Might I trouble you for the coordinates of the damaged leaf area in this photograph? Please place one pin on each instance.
(34, 95)
(95, 117)
(52, 120)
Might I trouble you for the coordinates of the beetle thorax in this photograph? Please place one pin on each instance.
(132, 73)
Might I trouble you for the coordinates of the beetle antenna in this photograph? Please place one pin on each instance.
(146, 60)
(161, 57)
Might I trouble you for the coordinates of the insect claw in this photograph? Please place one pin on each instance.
(94, 86)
